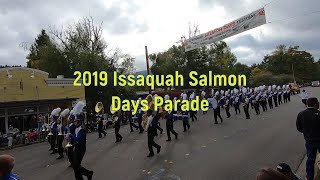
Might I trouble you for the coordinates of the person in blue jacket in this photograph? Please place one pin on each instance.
(79, 139)
(6, 166)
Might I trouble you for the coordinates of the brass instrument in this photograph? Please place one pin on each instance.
(68, 139)
(99, 108)
(114, 115)
(150, 99)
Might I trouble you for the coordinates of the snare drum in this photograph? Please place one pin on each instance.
(185, 117)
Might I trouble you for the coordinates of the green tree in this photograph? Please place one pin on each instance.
(81, 47)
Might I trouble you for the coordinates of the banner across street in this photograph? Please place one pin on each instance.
(247, 22)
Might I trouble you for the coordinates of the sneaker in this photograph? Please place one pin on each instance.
(90, 175)
(150, 155)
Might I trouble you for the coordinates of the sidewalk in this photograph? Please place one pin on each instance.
(301, 171)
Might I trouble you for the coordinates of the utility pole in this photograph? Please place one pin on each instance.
(148, 70)
(294, 79)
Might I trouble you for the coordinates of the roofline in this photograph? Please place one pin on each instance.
(23, 68)
(34, 102)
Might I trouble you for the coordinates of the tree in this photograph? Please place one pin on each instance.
(284, 59)
(81, 47)
(41, 42)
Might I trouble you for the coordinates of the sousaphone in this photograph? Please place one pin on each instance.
(99, 108)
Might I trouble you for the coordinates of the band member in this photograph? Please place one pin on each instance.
(245, 104)
(280, 97)
(275, 98)
(100, 125)
(157, 123)
(72, 131)
(61, 131)
(53, 129)
(117, 118)
(236, 104)
(216, 111)
(285, 96)
(151, 134)
(227, 104)
(140, 114)
(256, 104)
(288, 94)
(185, 122)
(263, 102)
(193, 113)
(270, 101)
(79, 151)
(169, 124)
(132, 124)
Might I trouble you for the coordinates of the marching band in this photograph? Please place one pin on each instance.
(72, 132)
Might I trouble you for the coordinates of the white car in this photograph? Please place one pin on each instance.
(315, 83)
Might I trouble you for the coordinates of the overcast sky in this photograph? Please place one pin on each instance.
(132, 24)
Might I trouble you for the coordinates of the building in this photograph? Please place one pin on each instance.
(26, 93)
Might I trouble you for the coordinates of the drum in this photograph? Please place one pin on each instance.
(180, 117)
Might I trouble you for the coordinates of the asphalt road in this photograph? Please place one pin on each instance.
(233, 150)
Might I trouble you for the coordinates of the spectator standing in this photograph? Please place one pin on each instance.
(308, 123)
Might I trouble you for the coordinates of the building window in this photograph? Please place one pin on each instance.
(2, 126)
(44, 109)
(22, 110)
(2, 112)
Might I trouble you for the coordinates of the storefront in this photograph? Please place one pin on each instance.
(25, 115)
(27, 94)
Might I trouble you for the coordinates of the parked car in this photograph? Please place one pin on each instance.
(315, 83)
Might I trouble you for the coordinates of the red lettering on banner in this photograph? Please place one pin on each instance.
(213, 31)
(230, 25)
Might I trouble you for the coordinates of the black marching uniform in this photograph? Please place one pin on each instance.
(185, 122)
(245, 104)
(227, 106)
(236, 104)
(53, 138)
(280, 97)
(80, 149)
(117, 128)
(140, 113)
(275, 98)
(72, 131)
(60, 139)
(169, 125)
(132, 124)
(100, 126)
(216, 111)
(270, 101)
(151, 129)
(263, 103)
(256, 105)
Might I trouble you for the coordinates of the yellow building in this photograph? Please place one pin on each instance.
(26, 93)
